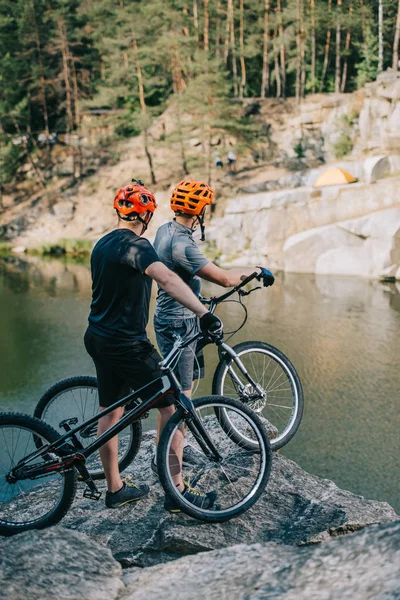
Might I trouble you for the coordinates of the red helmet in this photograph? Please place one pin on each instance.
(135, 198)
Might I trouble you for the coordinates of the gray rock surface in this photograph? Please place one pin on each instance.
(357, 567)
(296, 508)
(57, 563)
(66, 565)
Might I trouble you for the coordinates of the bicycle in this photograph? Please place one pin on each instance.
(39, 467)
(256, 373)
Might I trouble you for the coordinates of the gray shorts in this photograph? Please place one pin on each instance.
(187, 369)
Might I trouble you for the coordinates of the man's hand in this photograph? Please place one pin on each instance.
(211, 326)
(265, 276)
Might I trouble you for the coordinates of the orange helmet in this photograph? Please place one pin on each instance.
(134, 198)
(191, 197)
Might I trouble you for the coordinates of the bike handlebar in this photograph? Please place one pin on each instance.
(212, 302)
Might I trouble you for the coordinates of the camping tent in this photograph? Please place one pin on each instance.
(334, 176)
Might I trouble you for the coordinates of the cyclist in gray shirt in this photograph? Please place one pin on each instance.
(177, 249)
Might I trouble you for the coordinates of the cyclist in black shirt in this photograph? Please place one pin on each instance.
(123, 265)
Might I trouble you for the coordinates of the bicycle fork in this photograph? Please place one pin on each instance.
(235, 358)
(198, 430)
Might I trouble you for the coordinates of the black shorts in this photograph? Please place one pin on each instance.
(122, 366)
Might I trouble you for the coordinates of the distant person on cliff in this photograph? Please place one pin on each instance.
(231, 161)
(123, 265)
(218, 161)
(177, 249)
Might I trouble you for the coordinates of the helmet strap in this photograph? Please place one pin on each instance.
(200, 219)
(135, 217)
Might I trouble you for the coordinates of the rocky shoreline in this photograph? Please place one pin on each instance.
(82, 557)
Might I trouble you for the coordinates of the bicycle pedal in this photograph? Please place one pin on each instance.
(92, 494)
(67, 423)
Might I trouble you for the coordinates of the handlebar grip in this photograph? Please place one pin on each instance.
(248, 279)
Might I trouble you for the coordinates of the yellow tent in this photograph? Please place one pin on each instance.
(334, 176)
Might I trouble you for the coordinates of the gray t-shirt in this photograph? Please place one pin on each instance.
(177, 249)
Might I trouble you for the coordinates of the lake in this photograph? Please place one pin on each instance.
(342, 334)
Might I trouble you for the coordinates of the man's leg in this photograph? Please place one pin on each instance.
(164, 416)
(109, 451)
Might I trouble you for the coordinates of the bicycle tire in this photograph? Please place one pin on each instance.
(168, 484)
(219, 379)
(73, 383)
(70, 477)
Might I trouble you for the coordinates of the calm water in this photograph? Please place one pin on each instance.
(342, 335)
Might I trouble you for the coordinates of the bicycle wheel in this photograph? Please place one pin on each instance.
(238, 478)
(281, 402)
(30, 503)
(77, 398)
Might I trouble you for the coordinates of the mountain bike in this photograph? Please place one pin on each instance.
(256, 373)
(39, 467)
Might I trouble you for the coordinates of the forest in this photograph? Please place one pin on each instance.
(131, 59)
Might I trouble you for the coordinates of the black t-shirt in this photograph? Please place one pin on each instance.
(120, 289)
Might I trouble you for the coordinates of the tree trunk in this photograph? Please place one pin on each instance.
(66, 73)
(206, 25)
(327, 46)
(144, 110)
(43, 91)
(196, 21)
(281, 48)
(337, 60)
(364, 27)
(347, 48)
(178, 86)
(24, 138)
(380, 36)
(265, 68)
(77, 119)
(298, 52)
(395, 61)
(42, 80)
(233, 47)
(218, 32)
(313, 47)
(227, 30)
(241, 45)
(277, 68)
(302, 52)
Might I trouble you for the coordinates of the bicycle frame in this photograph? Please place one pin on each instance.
(68, 455)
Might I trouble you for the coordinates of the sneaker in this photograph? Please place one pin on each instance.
(128, 493)
(193, 496)
(154, 466)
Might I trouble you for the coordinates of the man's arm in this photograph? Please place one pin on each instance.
(226, 278)
(175, 287)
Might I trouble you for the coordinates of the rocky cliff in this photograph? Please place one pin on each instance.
(349, 229)
(277, 556)
(273, 213)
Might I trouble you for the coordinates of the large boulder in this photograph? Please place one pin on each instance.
(57, 563)
(357, 567)
(296, 508)
(365, 247)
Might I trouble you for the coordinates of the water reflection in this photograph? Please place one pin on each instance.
(342, 334)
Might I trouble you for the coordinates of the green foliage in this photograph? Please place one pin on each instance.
(367, 68)
(344, 143)
(5, 248)
(59, 59)
(11, 159)
(72, 247)
(298, 149)
(343, 146)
